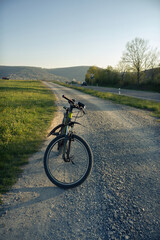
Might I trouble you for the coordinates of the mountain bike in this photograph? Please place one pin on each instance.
(68, 158)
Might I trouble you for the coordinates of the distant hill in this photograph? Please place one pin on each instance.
(59, 74)
(76, 73)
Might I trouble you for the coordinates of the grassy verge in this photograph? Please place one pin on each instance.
(26, 110)
(152, 106)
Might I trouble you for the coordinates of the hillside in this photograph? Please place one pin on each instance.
(77, 73)
(59, 74)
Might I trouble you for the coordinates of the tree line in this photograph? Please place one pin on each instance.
(138, 68)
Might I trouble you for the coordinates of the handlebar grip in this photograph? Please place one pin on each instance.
(69, 100)
(64, 97)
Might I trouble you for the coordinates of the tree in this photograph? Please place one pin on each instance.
(122, 68)
(91, 75)
(139, 57)
(153, 61)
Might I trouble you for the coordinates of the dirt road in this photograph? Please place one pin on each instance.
(120, 199)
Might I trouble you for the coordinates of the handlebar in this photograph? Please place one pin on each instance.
(72, 102)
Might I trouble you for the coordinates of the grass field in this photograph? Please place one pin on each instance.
(26, 111)
(153, 107)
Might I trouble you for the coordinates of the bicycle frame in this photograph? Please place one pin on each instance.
(67, 123)
(68, 135)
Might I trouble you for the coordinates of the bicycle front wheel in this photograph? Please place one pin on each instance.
(68, 174)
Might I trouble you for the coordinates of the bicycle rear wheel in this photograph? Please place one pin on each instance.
(76, 170)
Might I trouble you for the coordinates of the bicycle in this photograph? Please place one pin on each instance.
(68, 159)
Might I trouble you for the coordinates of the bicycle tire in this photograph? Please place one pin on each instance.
(61, 175)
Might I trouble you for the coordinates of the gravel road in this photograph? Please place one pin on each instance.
(119, 200)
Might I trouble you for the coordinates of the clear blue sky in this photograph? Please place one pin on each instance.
(63, 33)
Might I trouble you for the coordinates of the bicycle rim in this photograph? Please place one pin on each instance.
(74, 172)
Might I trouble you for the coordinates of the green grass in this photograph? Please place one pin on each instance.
(152, 106)
(26, 111)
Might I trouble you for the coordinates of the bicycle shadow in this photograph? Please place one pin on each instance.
(25, 197)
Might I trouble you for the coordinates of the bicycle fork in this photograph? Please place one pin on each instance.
(67, 145)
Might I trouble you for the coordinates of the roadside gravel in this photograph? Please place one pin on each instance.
(119, 200)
